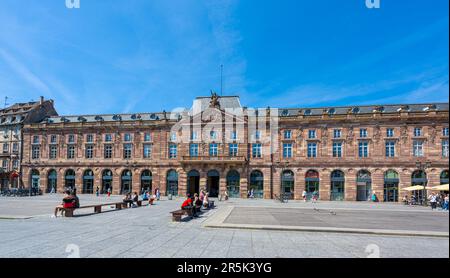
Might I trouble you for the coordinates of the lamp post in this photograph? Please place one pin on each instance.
(423, 166)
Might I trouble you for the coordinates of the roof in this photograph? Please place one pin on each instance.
(16, 113)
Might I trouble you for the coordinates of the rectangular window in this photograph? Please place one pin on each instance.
(445, 131)
(257, 150)
(363, 133)
(287, 134)
(127, 151)
(5, 165)
(127, 137)
(173, 153)
(108, 138)
(108, 151)
(287, 150)
(53, 152)
(390, 132)
(213, 149)
(147, 150)
(71, 138)
(35, 152)
(337, 133)
(418, 148)
(312, 134)
(363, 149)
(147, 137)
(233, 149)
(70, 152)
(15, 147)
(193, 150)
(15, 164)
(390, 149)
(53, 139)
(312, 149)
(445, 148)
(5, 147)
(233, 135)
(337, 149)
(173, 136)
(36, 139)
(417, 131)
(90, 138)
(89, 151)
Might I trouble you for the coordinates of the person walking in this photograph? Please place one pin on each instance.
(109, 192)
(304, 195)
(97, 191)
(158, 194)
(446, 202)
(433, 200)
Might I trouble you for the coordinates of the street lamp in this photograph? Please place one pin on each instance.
(423, 166)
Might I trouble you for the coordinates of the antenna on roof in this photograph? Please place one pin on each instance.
(221, 80)
(6, 102)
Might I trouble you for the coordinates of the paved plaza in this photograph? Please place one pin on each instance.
(28, 230)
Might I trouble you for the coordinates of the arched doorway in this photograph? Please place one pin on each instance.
(172, 183)
(287, 184)
(391, 181)
(213, 183)
(337, 186)
(126, 182)
(312, 184)
(257, 184)
(35, 181)
(419, 178)
(52, 181)
(233, 184)
(107, 181)
(88, 182)
(363, 185)
(193, 182)
(444, 177)
(69, 179)
(146, 181)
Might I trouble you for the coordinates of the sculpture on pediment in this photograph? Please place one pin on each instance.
(377, 133)
(404, 133)
(324, 135)
(214, 103)
(433, 133)
(350, 135)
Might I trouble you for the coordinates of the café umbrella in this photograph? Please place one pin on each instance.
(413, 188)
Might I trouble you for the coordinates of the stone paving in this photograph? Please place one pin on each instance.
(148, 232)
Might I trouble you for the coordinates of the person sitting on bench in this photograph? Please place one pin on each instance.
(134, 199)
(188, 205)
(127, 200)
(67, 202)
(75, 197)
(197, 203)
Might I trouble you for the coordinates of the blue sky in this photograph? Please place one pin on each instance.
(115, 56)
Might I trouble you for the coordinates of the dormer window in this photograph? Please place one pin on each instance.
(99, 118)
(285, 113)
(331, 111)
(307, 112)
(117, 118)
(355, 110)
(82, 119)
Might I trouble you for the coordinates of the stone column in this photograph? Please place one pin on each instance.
(266, 183)
(43, 180)
(299, 185)
(182, 182)
(277, 182)
(243, 184)
(136, 181)
(79, 181)
(116, 182)
(350, 185)
(378, 183)
(405, 181)
(324, 185)
(60, 180)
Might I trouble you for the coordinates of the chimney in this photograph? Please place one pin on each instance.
(42, 100)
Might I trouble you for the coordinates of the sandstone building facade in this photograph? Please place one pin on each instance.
(337, 153)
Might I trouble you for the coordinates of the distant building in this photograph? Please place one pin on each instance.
(12, 120)
(336, 153)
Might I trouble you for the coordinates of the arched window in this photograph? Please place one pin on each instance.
(126, 182)
(363, 185)
(257, 184)
(107, 181)
(419, 178)
(233, 183)
(391, 181)
(88, 182)
(287, 184)
(312, 183)
(146, 181)
(172, 183)
(69, 179)
(337, 186)
(52, 181)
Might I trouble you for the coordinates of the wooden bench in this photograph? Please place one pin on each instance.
(177, 214)
(68, 212)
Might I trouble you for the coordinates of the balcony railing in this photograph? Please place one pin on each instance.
(222, 158)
